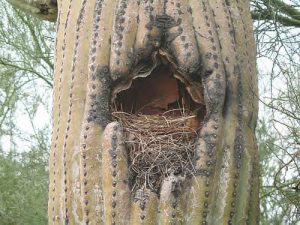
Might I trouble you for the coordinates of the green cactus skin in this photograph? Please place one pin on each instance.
(100, 43)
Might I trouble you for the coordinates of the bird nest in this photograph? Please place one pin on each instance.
(158, 146)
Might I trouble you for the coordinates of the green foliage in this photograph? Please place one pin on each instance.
(279, 198)
(279, 126)
(23, 187)
(26, 68)
(26, 45)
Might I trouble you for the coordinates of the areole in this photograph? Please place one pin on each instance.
(154, 116)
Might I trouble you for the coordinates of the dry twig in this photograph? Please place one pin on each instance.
(158, 145)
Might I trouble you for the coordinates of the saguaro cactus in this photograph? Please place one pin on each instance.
(151, 57)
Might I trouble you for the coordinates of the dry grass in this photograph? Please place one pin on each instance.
(158, 145)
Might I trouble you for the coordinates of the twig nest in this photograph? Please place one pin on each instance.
(158, 146)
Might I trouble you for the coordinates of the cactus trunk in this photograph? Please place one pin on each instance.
(147, 58)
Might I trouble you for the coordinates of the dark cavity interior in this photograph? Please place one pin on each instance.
(157, 94)
(161, 122)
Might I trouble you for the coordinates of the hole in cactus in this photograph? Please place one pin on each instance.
(161, 122)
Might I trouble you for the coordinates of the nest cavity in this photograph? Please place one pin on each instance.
(158, 146)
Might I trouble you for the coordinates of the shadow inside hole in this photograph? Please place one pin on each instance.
(156, 94)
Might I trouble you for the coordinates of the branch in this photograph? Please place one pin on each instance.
(268, 15)
(43, 9)
(287, 9)
(8, 64)
(277, 11)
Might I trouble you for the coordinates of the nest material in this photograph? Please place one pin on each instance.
(158, 146)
